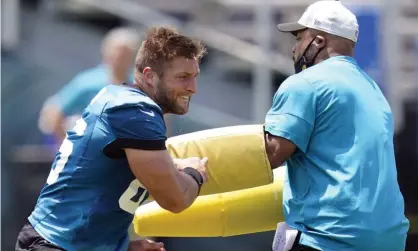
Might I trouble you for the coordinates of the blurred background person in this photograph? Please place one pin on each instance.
(60, 111)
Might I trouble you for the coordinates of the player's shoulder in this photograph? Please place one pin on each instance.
(121, 98)
(126, 96)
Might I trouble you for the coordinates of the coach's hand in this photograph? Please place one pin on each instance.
(194, 162)
(146, 245)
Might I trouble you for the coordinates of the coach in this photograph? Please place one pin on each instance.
(334, 128)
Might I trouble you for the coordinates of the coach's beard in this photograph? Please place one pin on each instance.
(304, 61)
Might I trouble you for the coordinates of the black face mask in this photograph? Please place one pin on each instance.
(302, 63)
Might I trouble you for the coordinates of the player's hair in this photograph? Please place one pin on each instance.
(163, 44)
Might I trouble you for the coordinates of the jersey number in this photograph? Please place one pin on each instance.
(133, 197)
(67, 146)
(65, 151)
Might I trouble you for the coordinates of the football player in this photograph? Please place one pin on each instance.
(115, 156)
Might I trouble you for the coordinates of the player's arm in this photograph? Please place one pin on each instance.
(172, 189)
(289, 122)
(140, 135)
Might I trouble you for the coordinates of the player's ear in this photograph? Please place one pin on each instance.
(149, 76)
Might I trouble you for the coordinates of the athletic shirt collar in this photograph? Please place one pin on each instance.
(341, 58)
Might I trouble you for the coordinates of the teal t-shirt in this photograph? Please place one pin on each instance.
(341, 188)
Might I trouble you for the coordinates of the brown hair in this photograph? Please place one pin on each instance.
(162, 44)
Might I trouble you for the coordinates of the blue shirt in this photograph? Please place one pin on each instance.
(341, 186)
(90, 196)
(78, 93)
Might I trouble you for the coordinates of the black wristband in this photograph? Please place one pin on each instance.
(195, 175)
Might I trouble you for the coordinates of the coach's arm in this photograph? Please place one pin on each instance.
(290, 121)
(278, 149)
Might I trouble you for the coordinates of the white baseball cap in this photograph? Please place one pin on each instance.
(331, 17)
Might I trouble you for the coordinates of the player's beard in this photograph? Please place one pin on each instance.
(167, 99)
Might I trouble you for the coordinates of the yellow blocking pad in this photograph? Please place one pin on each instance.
(237, 156)
(246, 211)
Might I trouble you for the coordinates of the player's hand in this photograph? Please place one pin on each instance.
(194, 162)
(146, 245)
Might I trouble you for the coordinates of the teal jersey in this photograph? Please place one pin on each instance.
(91, 194)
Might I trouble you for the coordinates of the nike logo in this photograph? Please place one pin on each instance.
(151, 113)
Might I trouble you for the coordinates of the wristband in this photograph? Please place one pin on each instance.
(195, 175)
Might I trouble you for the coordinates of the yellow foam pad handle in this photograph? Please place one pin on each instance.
(245, 211)
(237, 156)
